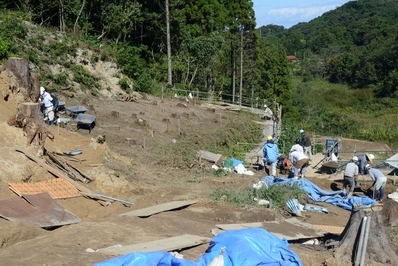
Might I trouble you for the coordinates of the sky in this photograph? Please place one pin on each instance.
(291, 12)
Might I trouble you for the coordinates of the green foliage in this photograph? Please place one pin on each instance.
(239, 198)
(335, 110)
(61, 79)
(235, 142)
(220, 172)
(279, 194)
(3, 49)
(60, 49)
(276, 194)
(125, 84)
(84, 78)
(355, 44)
(101, 139)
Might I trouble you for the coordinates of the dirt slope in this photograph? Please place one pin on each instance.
(139, 171)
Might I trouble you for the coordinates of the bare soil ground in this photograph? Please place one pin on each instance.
(141, 171)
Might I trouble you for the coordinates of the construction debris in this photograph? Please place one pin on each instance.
(39, 210)
(57, 188)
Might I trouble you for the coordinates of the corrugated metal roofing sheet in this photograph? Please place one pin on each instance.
(39, 210)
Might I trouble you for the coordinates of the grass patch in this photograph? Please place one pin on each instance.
(277, 194)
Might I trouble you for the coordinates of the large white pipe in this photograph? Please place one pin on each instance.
(365, 241)
(358, 253)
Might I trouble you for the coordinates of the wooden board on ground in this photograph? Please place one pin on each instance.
(290, 230)
(336, 230)
(145, 212)
(209, 156)
(167, 244)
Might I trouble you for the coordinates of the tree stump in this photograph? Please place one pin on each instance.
(115, 114)
(29, 81)
(378, 248)
(168, 123)
(29, 119)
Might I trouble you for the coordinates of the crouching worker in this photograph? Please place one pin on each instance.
(47, 106)
(270, 154)
(379, 182)
(300, 163)
(268, 114)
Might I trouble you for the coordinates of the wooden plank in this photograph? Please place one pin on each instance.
(167, 244)
(55, 172)
(145, 212)
(337, 230)
(83, 190)
(209, 156)
(284, 229)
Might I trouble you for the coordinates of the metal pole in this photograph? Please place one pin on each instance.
(365, 242)
(358, 254)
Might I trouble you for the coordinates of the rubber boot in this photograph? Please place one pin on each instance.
(381, 194)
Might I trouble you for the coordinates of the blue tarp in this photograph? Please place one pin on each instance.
(337, 198)
(252, 246)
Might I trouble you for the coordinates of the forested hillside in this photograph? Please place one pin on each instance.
(345, 80)
(206, 46)
(355, 44)
(347, 58)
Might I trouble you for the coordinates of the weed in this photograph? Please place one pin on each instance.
(277, 194)
(101, 139)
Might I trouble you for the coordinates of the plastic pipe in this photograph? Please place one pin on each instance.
(358, 253)
(365, 242)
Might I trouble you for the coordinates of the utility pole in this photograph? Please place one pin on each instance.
(169, 70)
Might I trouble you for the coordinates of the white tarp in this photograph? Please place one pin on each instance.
(392, 161)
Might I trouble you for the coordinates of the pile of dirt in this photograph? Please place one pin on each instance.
(142, 160)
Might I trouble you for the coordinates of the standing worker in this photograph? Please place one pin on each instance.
(46, 101)
(300, 163)
(306, 142)
(379, 182)
(351, 175)
(270, 154)
(362, 161)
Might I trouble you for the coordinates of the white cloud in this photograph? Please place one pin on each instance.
(303, 13)
(289, 12)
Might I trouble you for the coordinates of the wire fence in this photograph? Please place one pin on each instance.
(216, 97)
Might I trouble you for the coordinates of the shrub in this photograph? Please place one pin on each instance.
(3, 49)
(277, 194)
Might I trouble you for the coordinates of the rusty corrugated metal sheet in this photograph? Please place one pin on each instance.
(39, 210)
(58, 188)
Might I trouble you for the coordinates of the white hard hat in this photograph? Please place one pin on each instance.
(301, 131)
(355, 159)
(368, 166)
(42, 89)
(265, 106)
(371, 156)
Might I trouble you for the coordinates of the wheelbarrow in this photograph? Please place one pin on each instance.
(85, 121)
(74, 111)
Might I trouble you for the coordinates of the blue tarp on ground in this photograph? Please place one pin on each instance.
(252, 246)
(337, 198)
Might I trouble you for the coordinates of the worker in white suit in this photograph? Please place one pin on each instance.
(48, 108)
